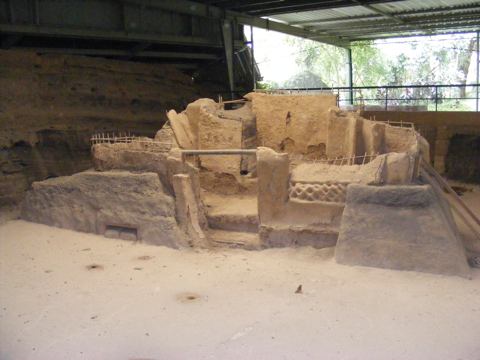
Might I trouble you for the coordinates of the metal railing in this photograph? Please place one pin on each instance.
(133, 143)
(339, 160)
(456, 97)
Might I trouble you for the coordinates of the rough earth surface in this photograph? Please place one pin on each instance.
(296, 124)
(96, 201)
(51, 105)
(71, 295)
(399, 227)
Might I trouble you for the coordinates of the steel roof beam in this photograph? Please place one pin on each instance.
(472, 20)
(199, 9)
(41, 30)
(418, 21)
(405, 32)
(391, 35)
(378, 11)
(403, 14)
(268, 8)
(338, 19)
(410, 34)
(292, 30)
(413, 24)
(428, 30)
(113, 52)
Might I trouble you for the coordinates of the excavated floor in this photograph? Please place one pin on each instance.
(71, 295)
(233, 220)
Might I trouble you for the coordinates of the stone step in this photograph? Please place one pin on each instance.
(234, 239)
(233, 222)
(291, 235)
(231, 212)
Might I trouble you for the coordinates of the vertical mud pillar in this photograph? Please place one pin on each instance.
(273, 179)
(441, 148)
(188, 211)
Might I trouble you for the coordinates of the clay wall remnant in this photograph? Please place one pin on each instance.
(202, 165)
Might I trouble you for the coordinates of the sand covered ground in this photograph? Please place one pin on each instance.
(68, 295)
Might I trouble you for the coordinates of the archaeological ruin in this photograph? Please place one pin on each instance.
(270, 170)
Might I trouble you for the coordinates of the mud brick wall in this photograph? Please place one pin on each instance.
(50, 105)
(454, 138)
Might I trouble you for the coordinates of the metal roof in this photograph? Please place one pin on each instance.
(352, 20)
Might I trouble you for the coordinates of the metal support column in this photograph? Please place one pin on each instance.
(228, 44)
(11, 12)
(386, 99)
(350, 76)
(253, 60)
(36, 12)
(478, 67)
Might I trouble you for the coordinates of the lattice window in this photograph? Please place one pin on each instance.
(328, 192)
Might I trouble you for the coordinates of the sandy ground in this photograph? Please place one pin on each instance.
(230, 204)
(148, 302)
(471, 197)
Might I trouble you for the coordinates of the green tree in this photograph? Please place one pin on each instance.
(327, 62)
(424, 61)
(303, 80)
(369, 66)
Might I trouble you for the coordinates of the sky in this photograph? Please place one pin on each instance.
(276, 58)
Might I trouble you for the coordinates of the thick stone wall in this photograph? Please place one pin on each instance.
(439, 128)
(97, 202)
(51, 104)
(402, 228)
(292, 123)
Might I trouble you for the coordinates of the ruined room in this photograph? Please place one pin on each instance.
(221, 179)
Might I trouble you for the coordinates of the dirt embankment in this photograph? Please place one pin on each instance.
(51, 104)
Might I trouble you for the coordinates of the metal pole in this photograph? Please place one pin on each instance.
(228, 44)
(36, 12)
(253, 59)
(386, 99)
(478, 65)
(11, 12)
(350, 75)
(436, 98)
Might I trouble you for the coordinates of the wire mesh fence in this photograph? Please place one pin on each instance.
(339, 160)
(136, 143)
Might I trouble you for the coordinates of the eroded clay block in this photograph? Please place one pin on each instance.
(188, 210)
(399, 227)
(398, 169)
(273, 175)
(90, 201)
(342, 134)
(184, 134)
(218, 133)
(373, 135)
(291, 123)
(288, 236)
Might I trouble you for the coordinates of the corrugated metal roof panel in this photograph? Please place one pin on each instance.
(411, 5)
(323, 14)
(370, 23)
(353, 11)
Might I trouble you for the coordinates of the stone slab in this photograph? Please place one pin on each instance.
(399, 227)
